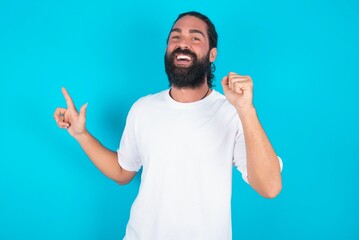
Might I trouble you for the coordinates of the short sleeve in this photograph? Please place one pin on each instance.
(127, 153)
(239, 154)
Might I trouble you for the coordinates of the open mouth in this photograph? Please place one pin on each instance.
(183, 59)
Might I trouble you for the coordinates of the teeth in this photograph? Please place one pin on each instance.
(183, 57)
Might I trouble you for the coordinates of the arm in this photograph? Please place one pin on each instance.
(104, 159)
(264, 173)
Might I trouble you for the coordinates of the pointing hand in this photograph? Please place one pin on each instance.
(69, 118)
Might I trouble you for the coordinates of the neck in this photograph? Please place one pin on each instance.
(188, 95)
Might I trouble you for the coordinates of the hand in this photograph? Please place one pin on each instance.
(70, 118)
(238, 90)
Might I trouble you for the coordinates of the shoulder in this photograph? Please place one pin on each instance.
(224, 109)
(148, 101)
(151, 98)
(221, 101)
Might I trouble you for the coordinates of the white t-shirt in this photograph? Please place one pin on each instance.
(187, 151)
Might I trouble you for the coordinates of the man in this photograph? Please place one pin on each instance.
(186, 139)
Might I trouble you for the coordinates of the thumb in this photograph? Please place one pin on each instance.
(225, 82)
(83, 111)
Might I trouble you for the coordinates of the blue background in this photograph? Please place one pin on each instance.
(302, 56)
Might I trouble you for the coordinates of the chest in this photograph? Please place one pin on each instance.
(193, 136)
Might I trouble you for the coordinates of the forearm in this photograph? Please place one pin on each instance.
(263, 168)
(104, 159)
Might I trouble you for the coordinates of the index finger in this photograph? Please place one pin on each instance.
(69, 102)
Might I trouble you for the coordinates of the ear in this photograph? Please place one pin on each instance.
(212, 54)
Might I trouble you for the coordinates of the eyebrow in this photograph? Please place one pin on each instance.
(191, 31)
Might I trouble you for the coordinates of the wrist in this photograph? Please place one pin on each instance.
(80, 137)
(246, 111)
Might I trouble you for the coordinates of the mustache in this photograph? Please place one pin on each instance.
(183, 51)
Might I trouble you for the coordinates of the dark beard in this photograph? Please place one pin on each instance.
(192, 76)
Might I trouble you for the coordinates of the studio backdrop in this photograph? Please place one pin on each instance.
(301, 55)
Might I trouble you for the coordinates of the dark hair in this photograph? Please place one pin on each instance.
(212, 37)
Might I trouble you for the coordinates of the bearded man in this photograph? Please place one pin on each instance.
(186, 139)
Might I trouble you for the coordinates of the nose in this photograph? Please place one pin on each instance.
(184, 43)
(183, 46)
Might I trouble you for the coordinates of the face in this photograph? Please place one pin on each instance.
(188, 56)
